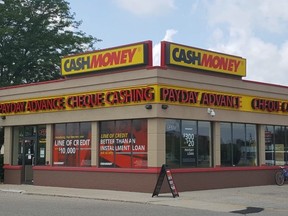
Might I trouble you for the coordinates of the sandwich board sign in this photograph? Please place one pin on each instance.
(165, 171)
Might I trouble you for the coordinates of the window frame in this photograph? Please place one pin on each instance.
(238, 145)
(180, 142)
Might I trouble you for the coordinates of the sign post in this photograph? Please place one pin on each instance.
(165, 171)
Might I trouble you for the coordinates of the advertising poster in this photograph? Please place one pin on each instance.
(107, 140)
(123, 144)
(72, 144)
(139, 159)
(189, 130)
(85, 144)
(59, 147)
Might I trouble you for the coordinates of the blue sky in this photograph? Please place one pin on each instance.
(253, 29)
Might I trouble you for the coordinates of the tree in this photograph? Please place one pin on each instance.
(34, 35)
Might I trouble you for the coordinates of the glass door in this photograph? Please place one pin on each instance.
(29, 149)
(29, 145)
(29, 159)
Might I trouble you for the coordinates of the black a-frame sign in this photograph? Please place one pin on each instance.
(165, 172)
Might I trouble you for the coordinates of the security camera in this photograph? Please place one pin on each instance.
(212, 113)
(148, 106)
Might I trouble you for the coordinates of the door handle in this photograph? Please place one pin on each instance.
(33, 161)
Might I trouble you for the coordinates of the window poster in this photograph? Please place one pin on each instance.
(59, 146)
(139, 131)
(84, 144)
(41, 147)
(123, 144)
(189, 129)
(72, 144)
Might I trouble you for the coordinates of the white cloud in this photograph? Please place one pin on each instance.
(146, 7)
(239, 27)
(157, 47)
(274, 15)
(269, 15)
(283, 56)
(169, 35)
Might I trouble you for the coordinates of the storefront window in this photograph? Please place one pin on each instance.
(72, 144)
(173, 137)
(238, 144)
(123, 144)
(204, 149)
(286, 146)
(17, 156)
(41, 146)
(226, 145)
(1, 139)
(276, 145)
(188, 143)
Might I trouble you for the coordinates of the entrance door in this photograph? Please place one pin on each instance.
(29, 149)
(29, 159)
(29, 143)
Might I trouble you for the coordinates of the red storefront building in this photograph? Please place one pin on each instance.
(114, 120)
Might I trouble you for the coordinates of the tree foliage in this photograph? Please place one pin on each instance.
(34, 35)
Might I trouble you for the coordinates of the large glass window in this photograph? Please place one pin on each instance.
(204, 148)
(1, 138)
(188, 143)
(238, 144)
(173, 139)
(276, 145)
(72, 144)
(41, 145)
(123, 143)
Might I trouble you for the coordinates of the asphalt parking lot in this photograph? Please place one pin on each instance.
(244, 200)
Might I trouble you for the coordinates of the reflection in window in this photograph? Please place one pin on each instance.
(204, 149)
(188, 143)
(173, 137)
(276, 145)
(226, 145)
(238, 144)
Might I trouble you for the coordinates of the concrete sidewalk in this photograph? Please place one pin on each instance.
(271, 197)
